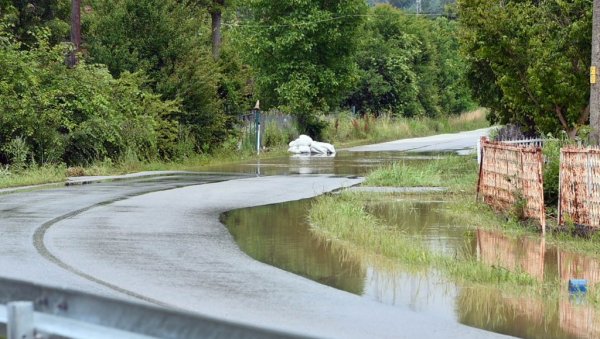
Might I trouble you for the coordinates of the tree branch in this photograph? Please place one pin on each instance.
(561, 117)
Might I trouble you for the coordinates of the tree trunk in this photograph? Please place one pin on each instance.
(75, 31)
(595, 87)
(216, 16)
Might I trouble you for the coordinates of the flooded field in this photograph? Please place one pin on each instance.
(279, 235)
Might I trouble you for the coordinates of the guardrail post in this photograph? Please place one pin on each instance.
(20, 320)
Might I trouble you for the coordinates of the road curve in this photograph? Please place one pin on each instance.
(168, 247)
(435, 143)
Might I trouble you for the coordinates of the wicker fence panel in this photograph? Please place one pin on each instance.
(580, 186)
(508, 172)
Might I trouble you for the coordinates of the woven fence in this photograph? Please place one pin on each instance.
(511, 175)
(580, 187)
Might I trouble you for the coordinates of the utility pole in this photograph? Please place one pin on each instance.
(418, 9)
(75, 31)
(594, 86)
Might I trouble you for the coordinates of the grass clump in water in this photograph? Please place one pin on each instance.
(343, 221)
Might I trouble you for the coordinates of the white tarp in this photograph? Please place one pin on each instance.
(305, 145)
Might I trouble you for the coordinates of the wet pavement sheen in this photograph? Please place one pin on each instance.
(160, 240)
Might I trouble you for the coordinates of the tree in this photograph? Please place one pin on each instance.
(303, 53)
(168, 40)
(75, 31)
(216, 18)
(388, 81)
(27, 18)
(529, 61)
(409, 66)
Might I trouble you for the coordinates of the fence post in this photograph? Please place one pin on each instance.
(256, 111)
(480, 155)
(20, 320)
(541, 179)
(560, 183)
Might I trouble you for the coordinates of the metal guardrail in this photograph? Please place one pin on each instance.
(34, 311)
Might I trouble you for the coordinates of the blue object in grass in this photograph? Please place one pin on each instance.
(577, 286)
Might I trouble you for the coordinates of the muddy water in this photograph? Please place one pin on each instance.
(279, 235)
(343, 163)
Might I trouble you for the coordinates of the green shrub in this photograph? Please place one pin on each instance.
(551, 151)
(17, 151)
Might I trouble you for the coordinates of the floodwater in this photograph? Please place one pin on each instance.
(343, 163)
(279, 235)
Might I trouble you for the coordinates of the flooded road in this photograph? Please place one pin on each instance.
(159, 240)
(343, 163)
(279, 235)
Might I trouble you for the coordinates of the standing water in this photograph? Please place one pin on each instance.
(279, 235)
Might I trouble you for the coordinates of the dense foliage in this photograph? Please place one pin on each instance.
(164, 79)
(51, 113)
(409, 66)
(529, 60)
(303, 53)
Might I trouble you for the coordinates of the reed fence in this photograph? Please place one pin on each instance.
(510, 175)
(579, 201)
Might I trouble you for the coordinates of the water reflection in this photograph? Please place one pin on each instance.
(279, 235)
(426, 220)
(564, 317)
(517, 255)
(342, 163)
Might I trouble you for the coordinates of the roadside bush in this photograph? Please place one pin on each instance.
(55, 114)
(17, 152)
(551, 151)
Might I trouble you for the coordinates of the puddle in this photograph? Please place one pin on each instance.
(279, 235)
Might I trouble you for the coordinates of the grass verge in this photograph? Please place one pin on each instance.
(348, 130)
(457, 173)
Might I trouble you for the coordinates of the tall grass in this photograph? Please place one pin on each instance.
(345, 128)
(31, 176)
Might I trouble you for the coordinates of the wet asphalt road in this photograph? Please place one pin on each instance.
(437, 143)
(160, 240)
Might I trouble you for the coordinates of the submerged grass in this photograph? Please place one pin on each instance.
(343, 220)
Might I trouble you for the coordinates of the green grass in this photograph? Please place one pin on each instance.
(342, 220)
(458, 173)
(58, 173)
(32, 176)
